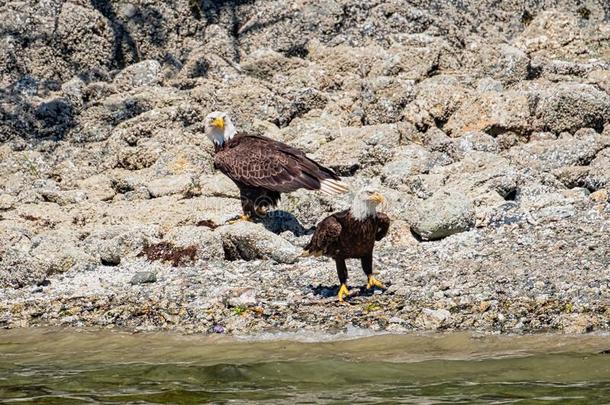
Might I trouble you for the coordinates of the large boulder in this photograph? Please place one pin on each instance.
(249, 241)
(443, 214)
(571, 106)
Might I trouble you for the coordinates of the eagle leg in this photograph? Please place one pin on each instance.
(373, 282)
(240, 218)
(343, 292)
(342, 273)
(367, 266)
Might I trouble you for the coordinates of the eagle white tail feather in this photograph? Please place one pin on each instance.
(333, 187)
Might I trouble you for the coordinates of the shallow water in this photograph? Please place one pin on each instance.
(55, 366)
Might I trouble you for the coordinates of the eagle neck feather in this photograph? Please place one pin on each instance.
(220, 137)
(362, 209)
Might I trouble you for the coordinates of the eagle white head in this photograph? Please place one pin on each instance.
(365, 203)
(219, 128)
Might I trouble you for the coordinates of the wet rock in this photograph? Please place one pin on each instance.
(444, 213)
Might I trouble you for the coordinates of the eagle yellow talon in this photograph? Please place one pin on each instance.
(240, 218)
(343, 292)
(373, 282)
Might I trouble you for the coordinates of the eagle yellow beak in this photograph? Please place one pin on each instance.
(219, 123)
(378, 198)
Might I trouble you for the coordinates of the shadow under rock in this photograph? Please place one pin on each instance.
(355, 291)
(280, 221)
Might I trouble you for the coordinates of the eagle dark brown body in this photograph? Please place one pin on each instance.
(263, 168)
(342, 236)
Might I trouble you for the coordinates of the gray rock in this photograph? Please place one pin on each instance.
(384, 98)
(492, 113)
(505, 63)
(478, 141)
(144, 73)
(552, 154)
(64, 197)
(243, 298)
(177, 184)
(143, 277)
(571, 106)
(209, 244)
(249, 241)
(408, 161)
(438, 314)
(443, 214)
(369, 144)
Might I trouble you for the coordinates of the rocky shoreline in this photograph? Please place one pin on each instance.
(487, 129)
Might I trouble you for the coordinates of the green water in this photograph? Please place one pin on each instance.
(63, 367)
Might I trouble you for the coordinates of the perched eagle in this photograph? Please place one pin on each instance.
(351, 234)
(263, 168)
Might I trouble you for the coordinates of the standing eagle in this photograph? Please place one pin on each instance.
(351, 234)
(263, 168)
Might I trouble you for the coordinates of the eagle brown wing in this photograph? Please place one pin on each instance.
(325, 238)
(257, 161)
(383, 225)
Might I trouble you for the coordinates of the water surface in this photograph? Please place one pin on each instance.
(63, 366)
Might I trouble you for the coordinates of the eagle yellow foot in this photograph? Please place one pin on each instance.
(373, 282)
(343, 292)
(240, 218)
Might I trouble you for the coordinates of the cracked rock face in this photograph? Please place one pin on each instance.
(485, 125)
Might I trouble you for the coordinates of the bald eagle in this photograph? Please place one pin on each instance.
(351, 234)
(263, 168)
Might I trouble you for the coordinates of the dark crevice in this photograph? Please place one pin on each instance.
(533, 72)
(439, 122)
(526, 17)
(497, 130)
(584, 13)
(298, 51)
(111, 262)
(511, 195)
(346, 171)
